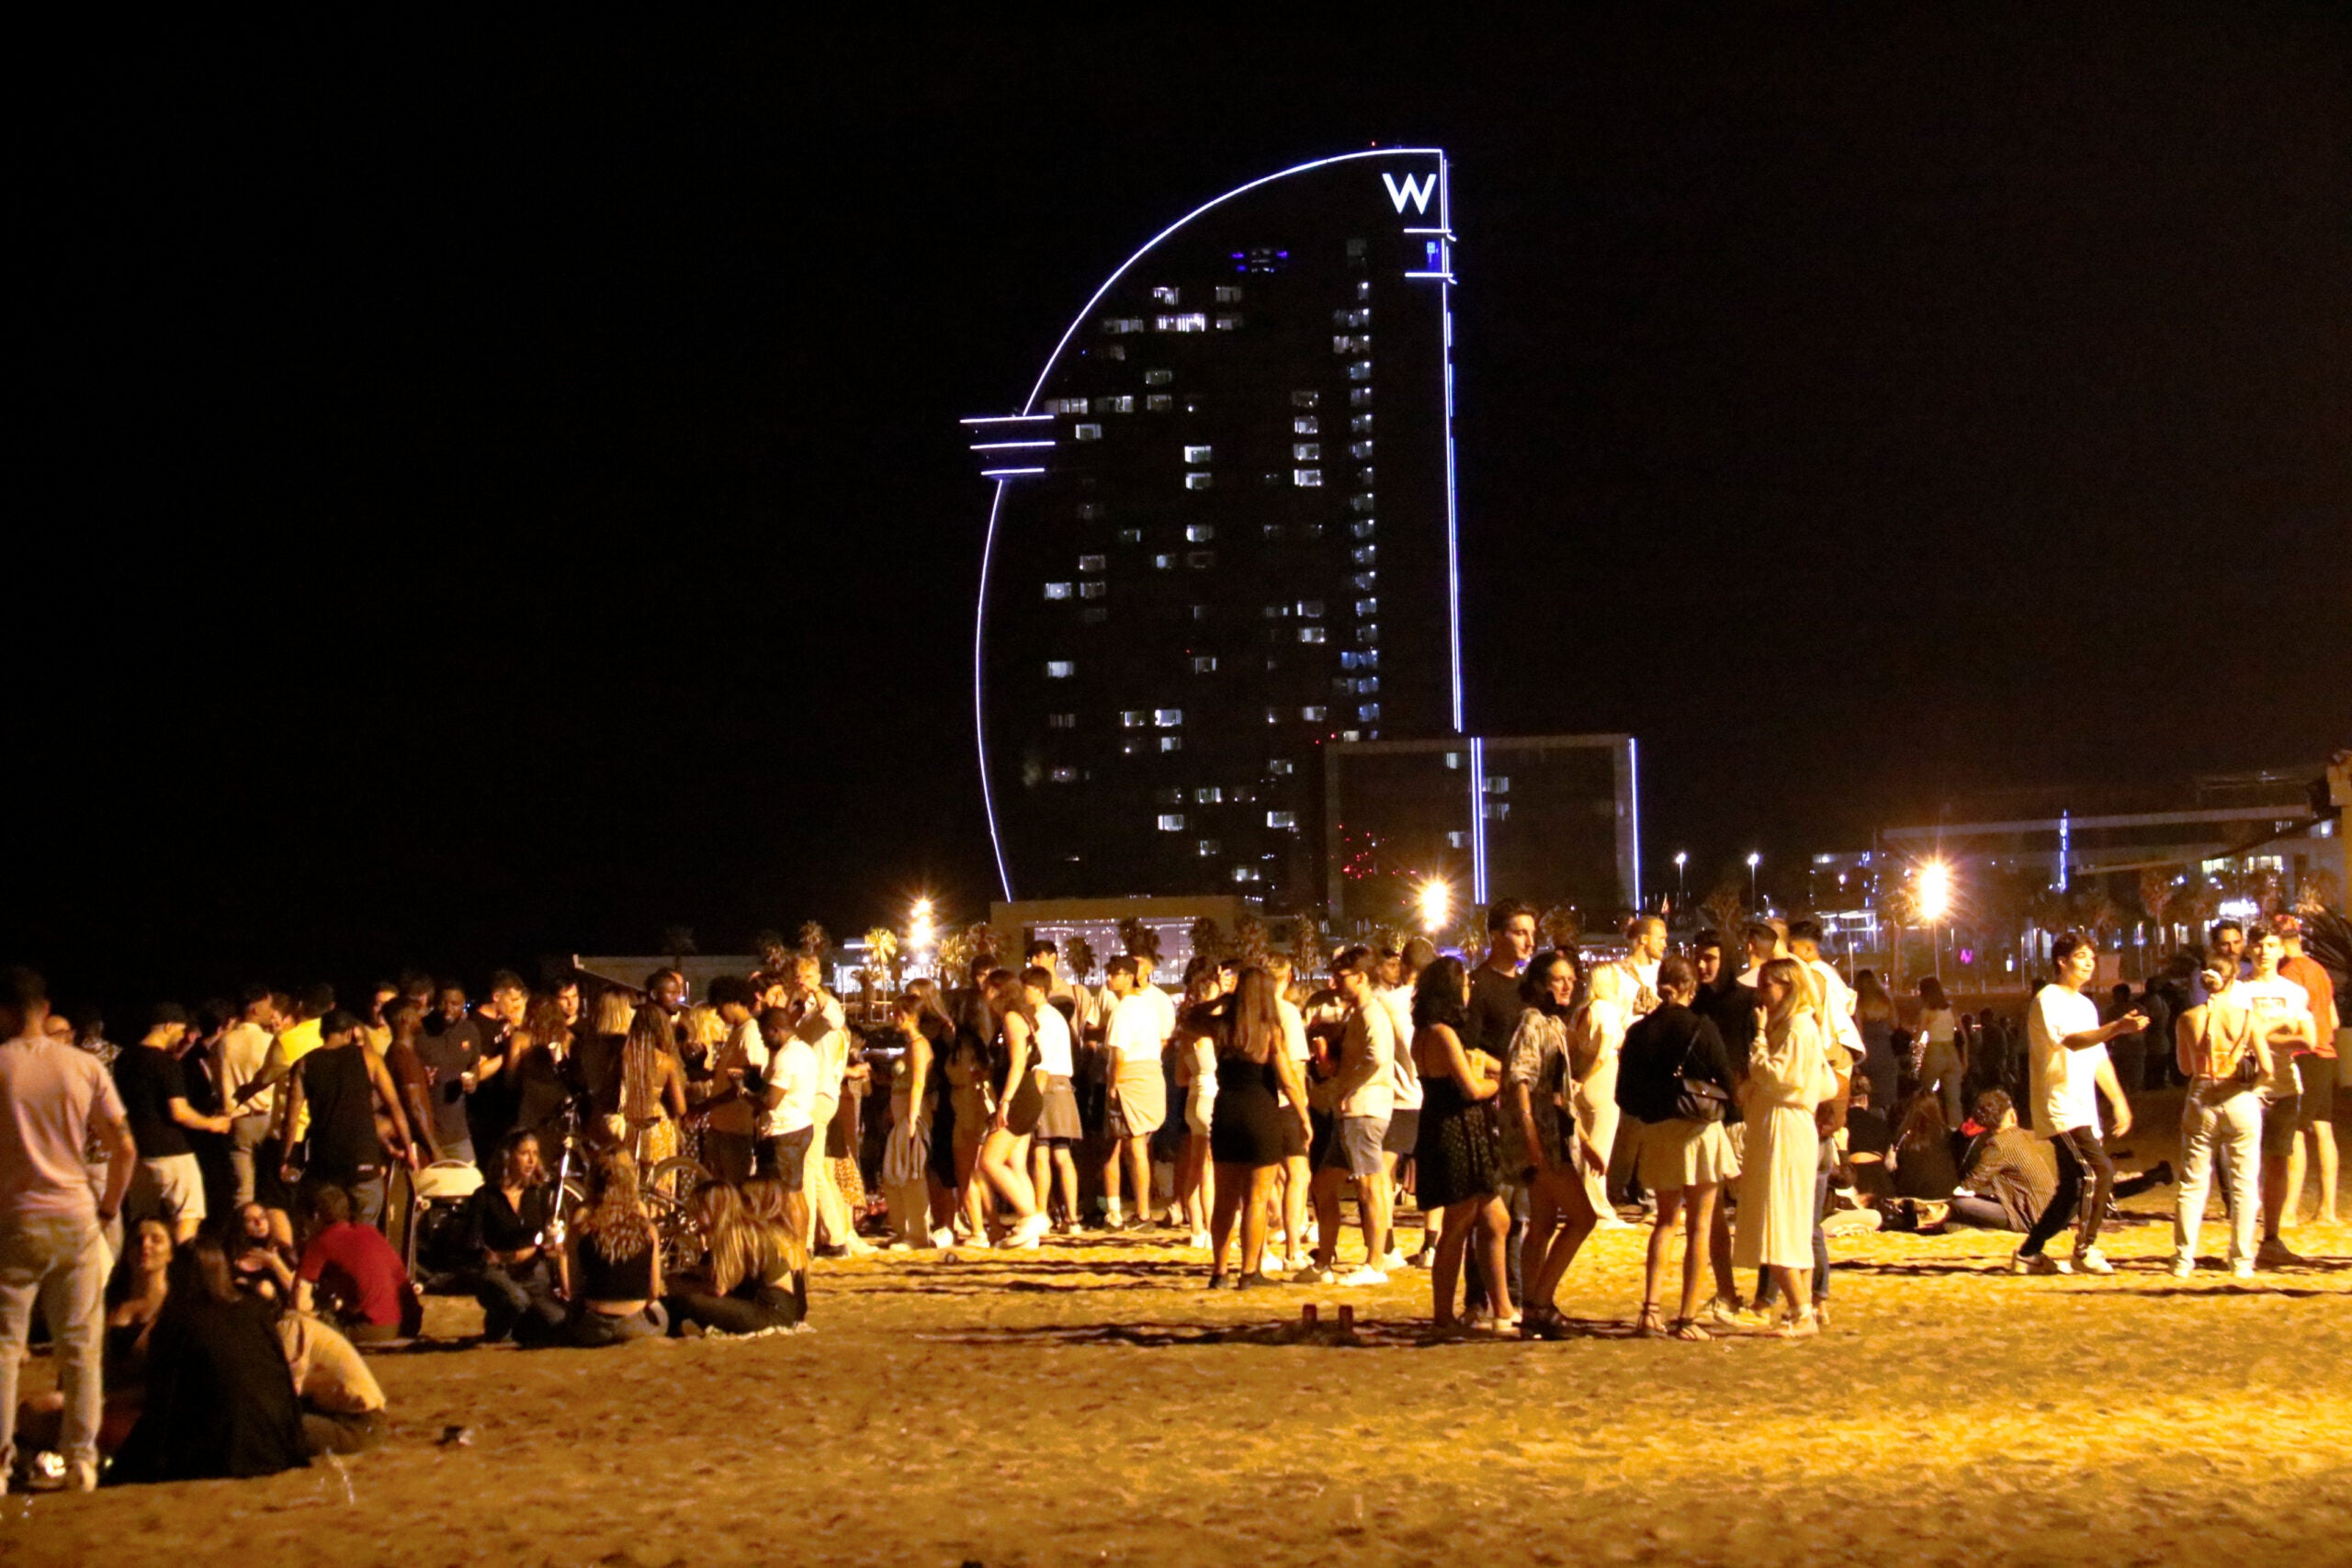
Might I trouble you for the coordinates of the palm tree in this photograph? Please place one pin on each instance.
(1208, 939)
(1561, 925)
(816, 941)
(1471, 939)
(1249, 939)
(773, 951)
(1310, 947)
(678, 941)
(1142, 942)
(2158, 896)
(1726, 911)
(1079, 953)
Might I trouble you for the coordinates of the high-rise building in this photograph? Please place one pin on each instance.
(1222, 538)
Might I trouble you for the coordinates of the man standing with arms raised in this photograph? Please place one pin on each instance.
(54, 1102)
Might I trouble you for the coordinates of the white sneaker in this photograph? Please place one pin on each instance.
(1394, 1259)
(2241, 1269)
(2091, 1260)
(1367, 1275)
(943, 1238)
(1297, 1261)
(1314, 1274)
(2184, 1267)
(1199, 1241)
(2040, 1263)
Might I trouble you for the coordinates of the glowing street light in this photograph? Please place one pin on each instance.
(1935, 890)
(1753, 860)
(920, 932)
(1681, 859)
(1435, 901)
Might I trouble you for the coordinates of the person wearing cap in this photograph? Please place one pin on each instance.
(154, 1101)
(2316, 1071)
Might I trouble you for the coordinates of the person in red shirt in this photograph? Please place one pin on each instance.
(356, 1271)
(2316, 1118)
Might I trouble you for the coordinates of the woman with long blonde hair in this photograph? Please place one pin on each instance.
(755, 1277)
(611, 1262)
(1597, 1034)
(1789, 1076)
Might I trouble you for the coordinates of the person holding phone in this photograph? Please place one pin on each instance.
(2066, 1048)
(2226, 1058)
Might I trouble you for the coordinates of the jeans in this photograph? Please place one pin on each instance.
(2224, 1118)
(509, 1294)
(2080, 1153)
(366, 1189)
(246, 1135)
(1767, 1289)
(60, 1262)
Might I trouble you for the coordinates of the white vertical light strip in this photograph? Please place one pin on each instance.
(1478, 820)
(1633, 772)
(979, 713)
(1453, 535)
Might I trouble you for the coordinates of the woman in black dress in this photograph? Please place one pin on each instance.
(1255, 1078)
(220, 1400)
(1459, 1167)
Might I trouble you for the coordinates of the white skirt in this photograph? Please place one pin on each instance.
(1774, 1229)
(1673, 1155)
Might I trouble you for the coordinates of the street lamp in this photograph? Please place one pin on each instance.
(1435, 901)
(1753, 859)
(1681, 891)
(1935, 902)
(921, 932)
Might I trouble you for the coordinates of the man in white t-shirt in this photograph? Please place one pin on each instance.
(1363, 1095)
(788, 1108)
(1404, 1115)
(2066, 1046)
(238, 1057)
(1058, 1127)
(1645, 950)
(2282, 1011)
(1136, 1085)
(818, 1019)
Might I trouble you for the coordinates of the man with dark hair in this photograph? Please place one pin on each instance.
(666, 988)
(1495, 1008)
(1136, 1091)
(2317, 1070)
(349, 1273)
(155, 1103)
(56, 1103)
(735, 1111)
(238, 1058)
(340, 1085)
(1363, 1093)
(450, 1050)
(2068, 1051)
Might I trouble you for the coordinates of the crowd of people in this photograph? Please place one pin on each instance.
(212, 1218)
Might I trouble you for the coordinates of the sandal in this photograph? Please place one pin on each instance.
(1805, 1327)
(1686, 1328)
(1648, 1326)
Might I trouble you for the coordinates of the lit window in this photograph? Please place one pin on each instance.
(1062, 721)
(1207, 847)
(1208, 795)
(1311, 609)
(1171, 743)
(1305, 425)
(1366, 580)
(1057, 591)
(1360, 504)
(1310, 634)
(1245, 874)
(1367, 606)
(1282, 819)
(1162, 563)
(1065, 405)
(1353, 343)
(1205, 664)
(1496, 810)
(1157, 378)
(1307, 477)
(1064, 775)
(1134, 718)
(1200, 560)
(1365, 555)
(1164, 294)
(1115, 405)
(1196, 454)
(1360, 397)
(1315, 715)
(1497, 784)
(1364, 479)
(1453, 760)
(1131, 536)
(1281, 768)
(1193, 321)
(1167, 718)
(1360, 370)
(1159, 402)
(1359, 448)
(1364, 530)
(1200, 612)
(1199, 532)
(1196, 482)
(1368, 712)
(1092, 563)
(1171, 821)
(1368, 632)
(1349, 318)
(1457, 841)
(1363, 291)
(1087, 433)
(1122, 323)
(1228, 294)
(1276, 612)
(1305, 400)
(1094, 589)
(1059, 668)
(1306, 451)
(1361, 423)
(1369, 686)
(1110, 351)
(1228, 323)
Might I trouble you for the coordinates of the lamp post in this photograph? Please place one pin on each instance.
(1435, 902)
(1935, 902)
(1681, 891)
(1753, 859)
(921, 932)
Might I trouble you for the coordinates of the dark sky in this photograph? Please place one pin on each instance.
(487, 493)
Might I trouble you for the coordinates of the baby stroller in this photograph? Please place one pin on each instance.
(438, 1223)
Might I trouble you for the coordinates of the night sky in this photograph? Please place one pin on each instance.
(486, 494)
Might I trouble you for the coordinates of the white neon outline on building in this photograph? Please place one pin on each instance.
(1453, 552)
(1477, 819)
(1634, 788)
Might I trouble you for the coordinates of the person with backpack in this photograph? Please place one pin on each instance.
(1675, 1078)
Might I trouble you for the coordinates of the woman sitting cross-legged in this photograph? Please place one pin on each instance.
(611, 1266)
(755, 1277)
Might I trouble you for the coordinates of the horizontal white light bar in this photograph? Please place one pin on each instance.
(1008, 446)
(1004, 419)
(1007, 473)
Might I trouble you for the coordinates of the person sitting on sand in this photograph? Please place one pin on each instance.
(220, 1401)
(350, 1275)
(755, 1277)
(611, 1265)
(135, 1297)
(260, 1244)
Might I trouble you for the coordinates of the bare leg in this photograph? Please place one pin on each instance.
(1041, 1174)
(1371, 1213)
(1298, 1183)
(1796, 1287)
(2323, 1138)
(1493, 1225)
(1228, 1201)
(1258, 1183)
(1719, 1256)
(1571, 1202)
(1065, 1171)
(1445, 1271)
(1697, 1225)
(1110, 1208)
(1138, 1174)
(1002, 1166)
(1325, 1193)
(1669, 1210)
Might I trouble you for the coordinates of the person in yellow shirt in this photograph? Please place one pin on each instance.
(295, 1042)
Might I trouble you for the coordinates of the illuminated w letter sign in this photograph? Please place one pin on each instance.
(1416, 192)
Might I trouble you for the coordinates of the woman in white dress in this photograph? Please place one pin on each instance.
(1788, 1076)
(1597, 1035)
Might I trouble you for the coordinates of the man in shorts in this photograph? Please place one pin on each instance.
(2317, 1072)
(2282, 1012)
(154, 1100)
(1363, 1093)
(1135, 1086)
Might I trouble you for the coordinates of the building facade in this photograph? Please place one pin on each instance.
(1221, 538)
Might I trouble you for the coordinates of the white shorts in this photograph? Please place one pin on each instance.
(180, 1182)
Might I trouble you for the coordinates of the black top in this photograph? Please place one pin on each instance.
(596, 1070)
(1673, 1039)
(448, 1052)
(541, 1089)
(149, 1080)
(1495, 1007)
(614, 1280)
(219, 1399)
(494, 1225)
(1867, 1131)
(343, 1112)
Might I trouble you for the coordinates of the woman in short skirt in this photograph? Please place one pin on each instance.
(1685, 1160)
